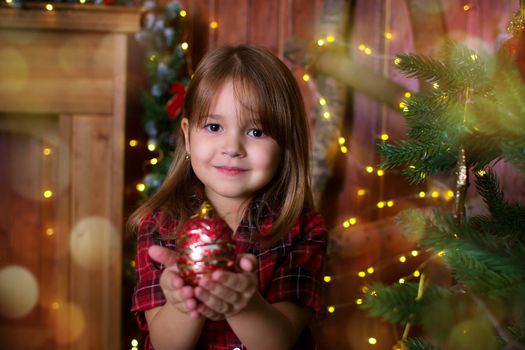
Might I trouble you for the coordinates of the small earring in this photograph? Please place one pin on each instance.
(187, 157)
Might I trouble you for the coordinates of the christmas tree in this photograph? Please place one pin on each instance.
(471, 118)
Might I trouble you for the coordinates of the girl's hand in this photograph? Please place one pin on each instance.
(224, 293)
(180, 296)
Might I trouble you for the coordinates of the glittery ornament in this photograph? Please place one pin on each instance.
(204, 244)
(514, 47)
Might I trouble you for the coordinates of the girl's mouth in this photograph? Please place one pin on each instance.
(227, 170)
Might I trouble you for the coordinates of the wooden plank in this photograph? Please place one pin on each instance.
(56, 72)
(263, 29)
(73, 17)
(232, 16)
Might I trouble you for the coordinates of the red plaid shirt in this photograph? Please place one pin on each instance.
(289, 270)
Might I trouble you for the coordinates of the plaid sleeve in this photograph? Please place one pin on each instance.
(148, 293)
(299, 277)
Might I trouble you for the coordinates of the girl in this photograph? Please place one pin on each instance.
(244, 147)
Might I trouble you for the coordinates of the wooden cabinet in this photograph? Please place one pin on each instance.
(62, 113)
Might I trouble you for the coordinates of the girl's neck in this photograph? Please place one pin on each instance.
(231, 211)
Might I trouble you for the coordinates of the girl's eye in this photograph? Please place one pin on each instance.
(213, 127)
(256, 133)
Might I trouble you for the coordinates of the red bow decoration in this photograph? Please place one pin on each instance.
(174, 104)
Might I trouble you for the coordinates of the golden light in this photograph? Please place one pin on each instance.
(435, 194)
(361, 192)
(331, 309)
(133, 264)
(152, 146)
(82, 1)
(390, 203)
(341, 140)
(327, 278)
(326, 115)
(401, 281)
(416, 273)
(473, 57)
(408, 94)
(422, 194)
(183, 13)
(441, 253)
(359, 301)
(50, 231)
(414, 253)
(384, 137)
(344, 149)
(346, 224)
(153, 161)
(49, 7)
(380, 172)
(372, 341)
(134, 342)
(133, 143)
(402, 258)
(320, 42)
(449, 195)
(368, 51)
(352, 221)
(435, 85)
(214, 24)
(322, 101)
(466, 7)
(402, 105)
(330, 38)
(397, 61)
(370, 270)
(364, 289)
(152, 58)
(369, 169)
(389, 36)
(48, 194)
(141, 187)
(9, 1)
(381, 205)
(46, 151)
(361, 274)
(482, 172)
(184, 46)
(362, 47)
(306, 77)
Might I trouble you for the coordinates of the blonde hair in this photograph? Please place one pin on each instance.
(269, 94)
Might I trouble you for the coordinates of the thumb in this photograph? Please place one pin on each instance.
(247, 262)
(163, 255)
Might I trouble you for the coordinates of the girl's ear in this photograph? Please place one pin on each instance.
(185, 126)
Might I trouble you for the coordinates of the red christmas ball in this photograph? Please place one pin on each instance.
(204, 244)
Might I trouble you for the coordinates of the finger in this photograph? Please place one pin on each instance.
(209, 313)
(238, 282)
(163, 255)
(229, 295)
(211, 301)
(247, 262)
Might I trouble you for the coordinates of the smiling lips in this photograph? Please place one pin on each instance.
(228, 170)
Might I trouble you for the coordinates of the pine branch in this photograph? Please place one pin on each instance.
(418, 344)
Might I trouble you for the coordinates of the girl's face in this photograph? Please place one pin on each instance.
(232, 157)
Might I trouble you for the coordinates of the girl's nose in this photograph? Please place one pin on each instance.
(232, 146)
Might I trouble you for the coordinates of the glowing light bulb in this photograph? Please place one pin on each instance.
(435, 194)
(466, 7)
(327, 278)
(372, 341)
(184, 46)
(401, 281)
(134, 342)
(362, 47)
(48, 194)
(141, 187)
(397, 61)
(402, 258)
(369, 169)
(50, 232)
(482, 172)
(384, 137)
(370, 270)
(214, 24)
(133, 143)
(344, 149)
(390, 203)
(352, 221)
(341, 140)
(408, 94)
(152, 146)
(153, 161)
(422, 194)
(330, 38)
(320, 42)
(368, 51)
(361, 274)
(435, 85)
(322, 101)
(416, 273)
(306, 77)
(326, 115)
(414, 253)
(47, 151)
(346, 224)
(402, 105)
(389, 36)
(441, 253)
(82, 1)
(361, 192)
(183, 13)
(49, 7)
(330, 308)
(359, 301)
(381, 205)
(380, 172)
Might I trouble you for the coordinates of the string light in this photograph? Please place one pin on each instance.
(482, 172)
(466, 7)
(416, 273)
(359, 301)
(361, 192)
(49, 7)
(183, 13)
(153, 161)
(48, 194)
(50, 232)
(381, 204)
(389, 36)
(184, 46)
(322, 101)
(397, 61)
(369, 169)
(368, 51)
(380, 172)
(330, 38)
(344, 149)
(372, 341)
(82, 1)
(435, 86)
(384, 137)
(370, 270)
(306, 77)
(402, 258)
(326, 115)
(390, 203)
(441, 253)
(327, 279)
(152, 58)
(408, 94)
(449, 195)
(133, 143)
(414, 253)
(330, 309)
(9, 1)
(402, 105)
(46, 151)
(214, 24)
(320, 42)
(152, 146)
(422, 194)
(401, 281)
(141, 187)
(435, 194)
(134, 342)
(361, 274)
